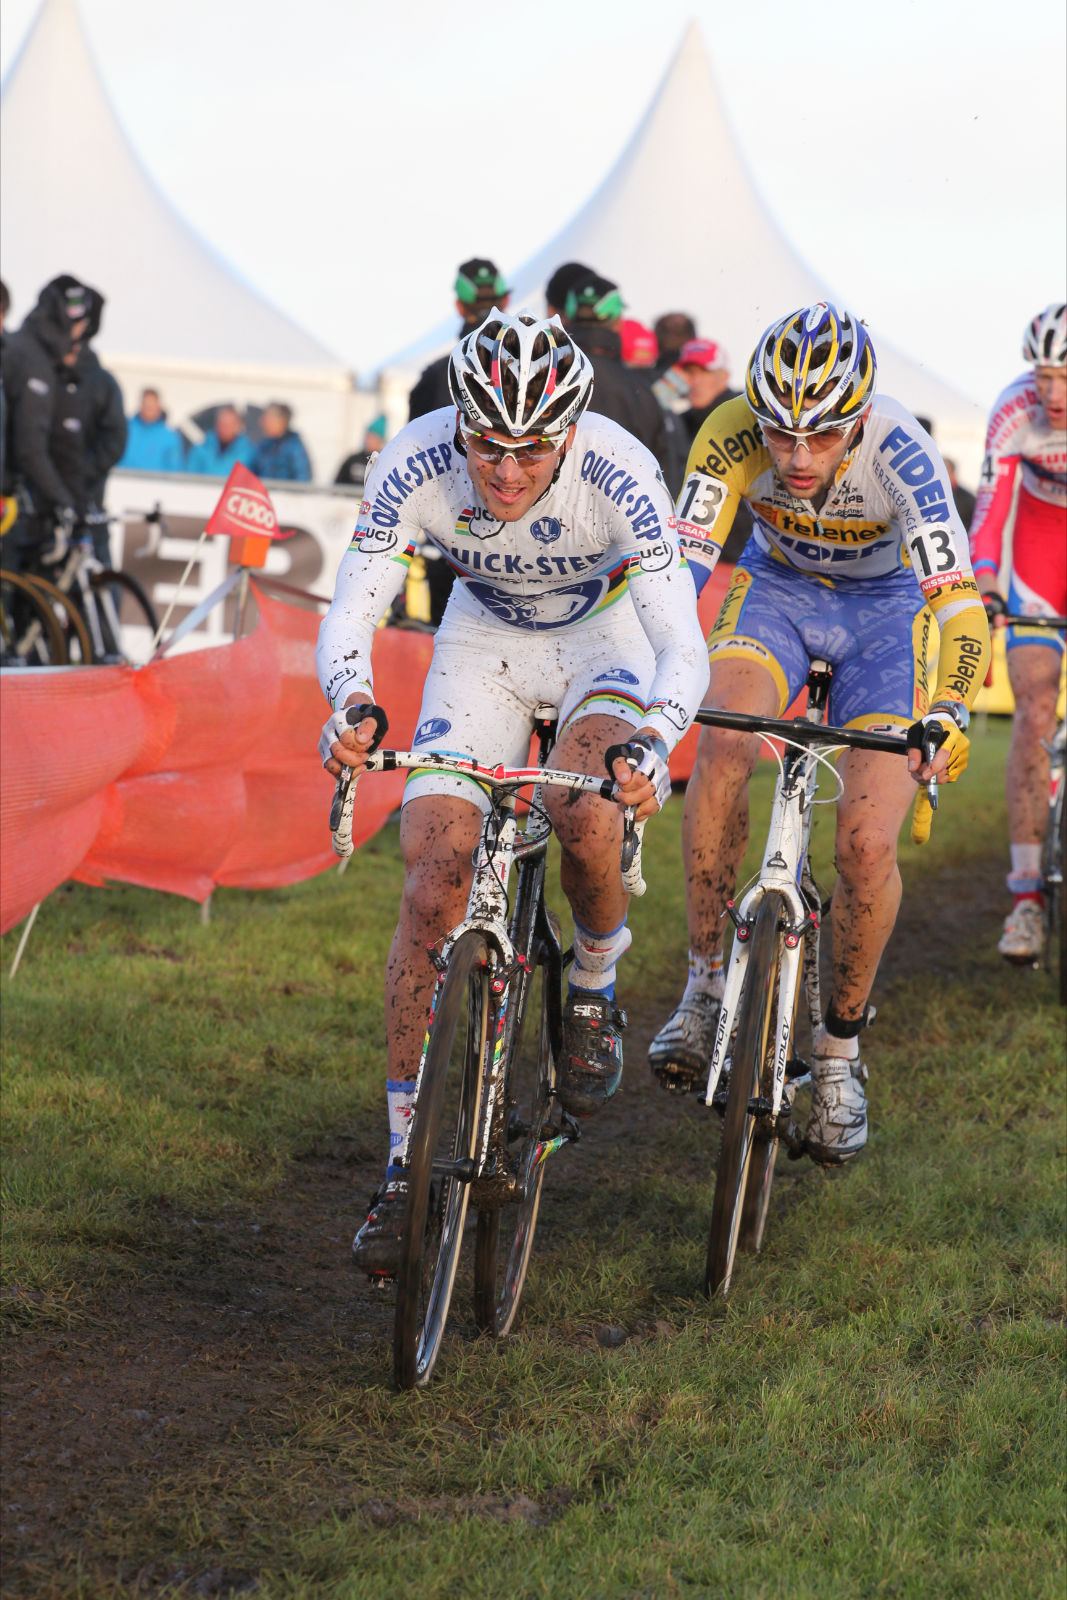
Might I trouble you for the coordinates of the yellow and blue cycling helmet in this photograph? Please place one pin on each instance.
(811, 370)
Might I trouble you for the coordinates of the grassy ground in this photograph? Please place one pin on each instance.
(197, 1397)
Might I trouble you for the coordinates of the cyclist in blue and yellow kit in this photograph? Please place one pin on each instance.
(855, 542)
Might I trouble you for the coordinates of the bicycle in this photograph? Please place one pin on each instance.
(30, 634)
(1053, 956)
(98, 610)
(486, 1117)
(754, 1074)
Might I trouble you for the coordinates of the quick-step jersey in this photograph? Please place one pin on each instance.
(602, 535)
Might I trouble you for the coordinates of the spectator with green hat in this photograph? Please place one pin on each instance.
(479, 286)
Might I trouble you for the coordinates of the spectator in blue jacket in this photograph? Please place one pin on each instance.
(280, 453)
(225, 443)
(150, 445)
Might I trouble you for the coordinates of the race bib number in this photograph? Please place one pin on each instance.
(699, 503)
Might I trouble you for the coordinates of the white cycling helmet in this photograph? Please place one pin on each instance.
(1045, 340)
(520, 374)
(813, 369)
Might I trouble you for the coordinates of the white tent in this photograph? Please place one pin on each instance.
(74, 198)
(679, 225)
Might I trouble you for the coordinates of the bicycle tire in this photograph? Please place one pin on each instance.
(529, 1083)
(755, 1025)
(444, 1128)
(19, 595)
(138, 602)
(1053, 897)
(78, 645)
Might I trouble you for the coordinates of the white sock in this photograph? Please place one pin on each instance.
(595, 955)
(828, 1044)
(705, 977)
(400, 1097)
(1025, 875)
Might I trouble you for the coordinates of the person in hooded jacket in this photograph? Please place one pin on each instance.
(89, 429)
(34, 378)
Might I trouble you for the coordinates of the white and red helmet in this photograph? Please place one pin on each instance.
(1045, 339)
(519, 374)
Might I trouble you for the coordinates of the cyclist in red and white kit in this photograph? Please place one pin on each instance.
(1026, 445)
(571, 591)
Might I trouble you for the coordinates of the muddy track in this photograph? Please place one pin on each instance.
(239, 1315)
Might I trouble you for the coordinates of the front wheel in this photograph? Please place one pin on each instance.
(745, 1168)
(440, 1163)
(506, 1232)
(127, 618)
(1053, 896)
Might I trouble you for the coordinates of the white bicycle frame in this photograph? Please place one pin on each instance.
(783, 864)
(487, 904)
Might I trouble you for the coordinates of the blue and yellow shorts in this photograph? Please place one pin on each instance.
(872, 631)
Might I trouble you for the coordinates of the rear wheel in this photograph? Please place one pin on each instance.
(76, 641)
(30, 635)
(441, 1159)
(506, 1231)
(746, 1154)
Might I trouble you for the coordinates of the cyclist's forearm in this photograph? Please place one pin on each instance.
(964, 654)
(367, 583)
(666, 608)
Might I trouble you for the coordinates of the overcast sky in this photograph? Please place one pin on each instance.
(922, 143)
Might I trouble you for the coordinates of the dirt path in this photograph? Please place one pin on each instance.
(240, 1315)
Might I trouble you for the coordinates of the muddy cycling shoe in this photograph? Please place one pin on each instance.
(376, 1247)
(1023, 933)
(590, 1064)
(837, 1122)
(680, 1054)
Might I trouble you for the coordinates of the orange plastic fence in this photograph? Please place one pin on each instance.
(198, 770)
(192, 772)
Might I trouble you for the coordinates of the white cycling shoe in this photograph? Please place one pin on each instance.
(1023, 933)
(837, 1122)
(680, 1054)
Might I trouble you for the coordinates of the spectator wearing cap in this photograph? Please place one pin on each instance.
(152, 446)
(705, 366)
(224, 444)
(353, 469)
(560, 283)
(280, 454)
(89, 429)
(592, 314)
(479, 287)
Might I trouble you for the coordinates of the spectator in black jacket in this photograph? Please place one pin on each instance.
(592, 314)
(479, 287)
(89, 428)
(34, 380)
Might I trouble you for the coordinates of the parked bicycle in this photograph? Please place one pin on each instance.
(1054, 845)
(103, 616)
(486, 1116)
(755, 1070)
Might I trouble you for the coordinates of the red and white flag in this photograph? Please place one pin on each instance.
(244, 508)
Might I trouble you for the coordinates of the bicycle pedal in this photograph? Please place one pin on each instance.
(570, 1126)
